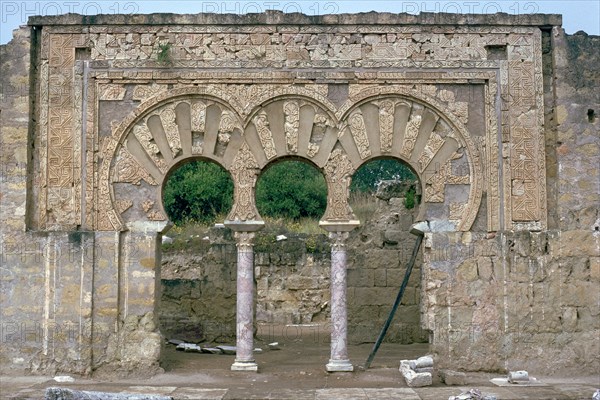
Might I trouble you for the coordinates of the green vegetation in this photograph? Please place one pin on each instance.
(289, 194)
(198, 192)
(293, 190)
(164, 55)
(370, 174)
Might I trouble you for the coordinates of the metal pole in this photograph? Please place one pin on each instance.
(409, 268)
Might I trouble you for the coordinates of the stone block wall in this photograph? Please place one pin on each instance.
(519, 250)
(292, 282)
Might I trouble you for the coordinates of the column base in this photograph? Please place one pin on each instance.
(244, 366)
(339, 366)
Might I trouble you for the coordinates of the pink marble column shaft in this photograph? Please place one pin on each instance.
(339, 360)
(244, 360)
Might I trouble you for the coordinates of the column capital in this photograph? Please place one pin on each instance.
(339, 239)
(244, 240)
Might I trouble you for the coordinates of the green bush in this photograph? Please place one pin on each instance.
(291, 189)
(199, 191)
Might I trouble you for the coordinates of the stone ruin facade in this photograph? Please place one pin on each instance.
(496, 114)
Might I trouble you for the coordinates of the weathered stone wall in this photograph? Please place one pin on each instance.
(532, 297)
(21, 280)
(292, 281)
(498, 118)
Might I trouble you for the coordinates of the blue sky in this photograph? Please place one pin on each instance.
(577, 15)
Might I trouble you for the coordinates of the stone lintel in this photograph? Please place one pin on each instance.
(275, 17)
(245, 226)
(339, 226)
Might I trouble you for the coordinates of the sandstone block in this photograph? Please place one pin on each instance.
(453, 378)
(412, 378)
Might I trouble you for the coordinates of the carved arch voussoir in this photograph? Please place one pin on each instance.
(160, 134)
(421, 132)
(291, 122)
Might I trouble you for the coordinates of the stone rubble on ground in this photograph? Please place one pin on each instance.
(518, 377)
(453, 378)
(596, 395)
(274, 346)
(473, 394)
(64, 378)
(53, 393)
(417, 373)
(229, 350)
(211, 350)
(189, 348)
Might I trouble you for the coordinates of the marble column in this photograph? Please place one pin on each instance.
(244, 360)
(339, 360)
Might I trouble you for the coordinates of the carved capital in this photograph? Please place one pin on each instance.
(244, 240)
(338, 240)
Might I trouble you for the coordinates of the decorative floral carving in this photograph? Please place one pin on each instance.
(144, 136)
(359, 132)
(128, 170)
(168, 117)
(226, 126)
(261, 122)
(243, 171)
(291, 111)
(386, 124)
(410, 136)
(338, 172)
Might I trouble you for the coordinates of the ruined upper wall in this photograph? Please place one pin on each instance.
(274, 17)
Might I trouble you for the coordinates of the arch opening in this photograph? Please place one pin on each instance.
(198, 258)
(385, 195)
(291, 188)
(197, 191)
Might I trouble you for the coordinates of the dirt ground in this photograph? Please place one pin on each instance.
(300, 363)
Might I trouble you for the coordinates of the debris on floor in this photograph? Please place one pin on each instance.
(189, 347)
(54, 393)
(274, 346)
(64, 378)
(229, 350)
(518, 377)
(596, 395)
(417, 373)
(453, 378)
(473, 394)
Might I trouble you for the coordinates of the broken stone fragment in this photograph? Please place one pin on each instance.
(229, 350)
(425, 369)
(211, 350)
(64, 378)
(176, 342)
(424, 362)
(274, 346)
(518, 377)
(189, 348)
(473, 394)
(412, 378)
(53, 393)
(451, 378)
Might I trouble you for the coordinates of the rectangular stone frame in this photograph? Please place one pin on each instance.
(519, 96)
